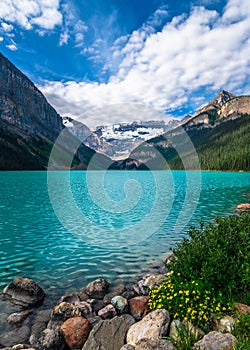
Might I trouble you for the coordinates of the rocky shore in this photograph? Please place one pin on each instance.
(99, 317)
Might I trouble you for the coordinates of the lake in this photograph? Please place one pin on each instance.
(64, 229)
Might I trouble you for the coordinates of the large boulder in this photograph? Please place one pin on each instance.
(153, 326)
(75, 332)
(97, 289)
(216, 341)
(25, 292)
(107, 335)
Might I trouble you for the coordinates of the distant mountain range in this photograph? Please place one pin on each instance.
(29, 127)
(119, 140)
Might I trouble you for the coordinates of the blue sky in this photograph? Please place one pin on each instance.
(96, 60)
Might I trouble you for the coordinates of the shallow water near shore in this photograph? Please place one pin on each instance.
(62, 257)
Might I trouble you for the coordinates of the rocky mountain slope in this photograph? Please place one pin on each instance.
(218, 133)
(29, 126)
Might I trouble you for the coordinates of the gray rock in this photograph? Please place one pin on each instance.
(108, 297)
(153, 326)
(43, 316)
(96, 304)
(107, 312)
(50, 339)
(17, 336)
(97, 289)
(129, 320)
(216, 341)
(147, 344)
(25, 292)
(107, 335)
(120, 303)
(71, 298)
(36, 330)
(127, 347)
(18, 317)
(173, 329)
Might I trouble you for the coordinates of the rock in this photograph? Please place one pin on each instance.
(71, 298)
(75, 332)
(173, 329)
(108, 297)
(161, 344)
(119, 289)
(96, 304)
(149, 282)
(17, 336)
(139, 307)
(153, 326)
(245, 309)
(50, 339)
(127, 347)
(42, 316)
(18, 317)
(107, 335)
(129, 320)
(216, 341)
(97, 289)
(63, 311)
(224, 325)
(85, 308)
(107, 312)
(36, 329)
(243, 207)
(24, 292)
(120, 303)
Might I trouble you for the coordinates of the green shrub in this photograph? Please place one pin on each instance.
(219, 254)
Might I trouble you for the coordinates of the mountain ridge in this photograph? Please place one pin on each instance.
(30, 126)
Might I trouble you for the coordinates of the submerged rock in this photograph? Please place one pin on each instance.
(18, 317)
(17, 336)
(25, 292)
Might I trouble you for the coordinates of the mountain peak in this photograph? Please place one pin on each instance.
(222, 97)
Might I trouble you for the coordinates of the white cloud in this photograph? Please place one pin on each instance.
(163, 70)
(44, 14)
(7, 27)
(1, 39)
(12, 47)
(64, 38)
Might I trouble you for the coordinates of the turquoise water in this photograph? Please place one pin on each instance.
(137, 217)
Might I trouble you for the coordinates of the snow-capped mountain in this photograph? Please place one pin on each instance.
(119, 140)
